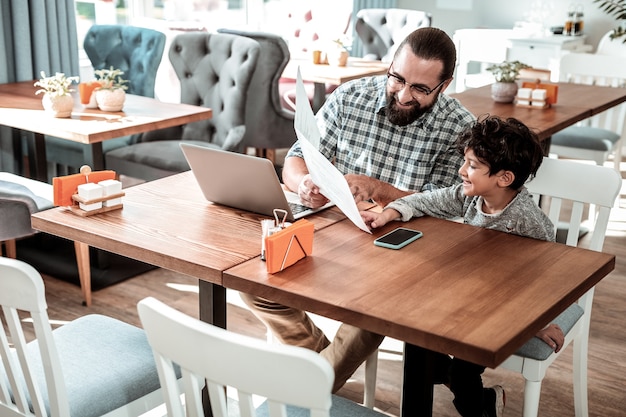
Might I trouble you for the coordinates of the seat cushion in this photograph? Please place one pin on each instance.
(106, 364)
(585, 137)
(71, 154)
(537, 349)
(341, 407)
(19, 198)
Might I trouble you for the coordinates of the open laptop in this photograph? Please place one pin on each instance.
(242, 181)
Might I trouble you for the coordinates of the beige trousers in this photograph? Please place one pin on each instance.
(349, 349)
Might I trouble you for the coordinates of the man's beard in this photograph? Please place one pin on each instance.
(405, 117)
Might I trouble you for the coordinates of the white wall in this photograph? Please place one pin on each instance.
(502, 14)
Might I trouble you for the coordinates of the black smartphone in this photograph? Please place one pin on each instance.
(398, 238)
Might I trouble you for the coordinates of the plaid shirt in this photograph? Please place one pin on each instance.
(358, 137)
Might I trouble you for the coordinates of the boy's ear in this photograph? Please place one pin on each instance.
(506, 178)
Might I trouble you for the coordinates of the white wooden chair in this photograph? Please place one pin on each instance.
(291, 379)
(608, 46)
(602, 135)
(577, 184)
(92, 366)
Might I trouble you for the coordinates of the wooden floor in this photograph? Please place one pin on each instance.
(607, 343)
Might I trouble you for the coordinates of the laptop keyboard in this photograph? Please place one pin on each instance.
(297, 208)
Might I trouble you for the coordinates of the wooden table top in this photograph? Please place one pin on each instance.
(575, 102)
(20, 108)
(467, 291)
(332, 74)
(168, 223)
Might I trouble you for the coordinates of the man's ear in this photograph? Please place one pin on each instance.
(506, 178)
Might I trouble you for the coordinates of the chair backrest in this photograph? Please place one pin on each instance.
(282, 374)
(22, 289)
(215, 70)
(608, 46)
(578, 184)
(268, 124)
(136, 51)
(600, 70)
(381, 30)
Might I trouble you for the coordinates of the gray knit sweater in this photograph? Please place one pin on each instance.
(521, 217)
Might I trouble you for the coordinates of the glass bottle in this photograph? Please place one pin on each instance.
(578, 20)
(568, 28)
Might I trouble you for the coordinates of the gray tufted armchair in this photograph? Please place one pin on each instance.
(136, 51)
(381, 29)
(269, 126)
(19, 198)
(215, 70)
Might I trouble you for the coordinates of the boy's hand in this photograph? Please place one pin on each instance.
(553, 336)
(373, 219)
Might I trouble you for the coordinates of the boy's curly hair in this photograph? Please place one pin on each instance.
(503, 144)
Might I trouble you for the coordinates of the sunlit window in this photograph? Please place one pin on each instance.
(304, 24)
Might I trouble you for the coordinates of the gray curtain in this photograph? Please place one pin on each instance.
(35, 36)
(357, 48)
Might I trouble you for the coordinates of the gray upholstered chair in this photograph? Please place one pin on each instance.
(19, 198)
(215, 71)
(136, 51)
(269, 126)
(381, 30)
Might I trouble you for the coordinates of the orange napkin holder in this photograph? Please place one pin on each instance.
(65, 191)
(552, 90)
(288, 246)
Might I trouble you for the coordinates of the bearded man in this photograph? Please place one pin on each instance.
(390, 136)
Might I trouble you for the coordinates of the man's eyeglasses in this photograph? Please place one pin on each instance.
(417, 91)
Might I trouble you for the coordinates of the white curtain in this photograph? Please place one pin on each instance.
(35, 36)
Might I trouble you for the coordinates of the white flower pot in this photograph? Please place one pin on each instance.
(58, 106)
(111, 100)
(337, 57)
(503, 92)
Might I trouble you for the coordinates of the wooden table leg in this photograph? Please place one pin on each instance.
(212, 299)
(38, 163)
(418, 379)
(84, 270)
(319, 96)
(93, 156)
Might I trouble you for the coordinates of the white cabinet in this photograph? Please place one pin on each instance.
(545, 52)
(477, 48)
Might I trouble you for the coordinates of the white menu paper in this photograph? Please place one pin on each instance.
(325, 175)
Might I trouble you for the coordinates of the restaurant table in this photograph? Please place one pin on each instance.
(20, 108)
(575, 102)
(168, 223)
(323, 74)
(474, 293)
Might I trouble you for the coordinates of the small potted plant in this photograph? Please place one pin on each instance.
(56, 89)
(506, 73)
(111, 94)
(337, 54)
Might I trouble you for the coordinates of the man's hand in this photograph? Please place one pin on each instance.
(309, 193)
(361, 186)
